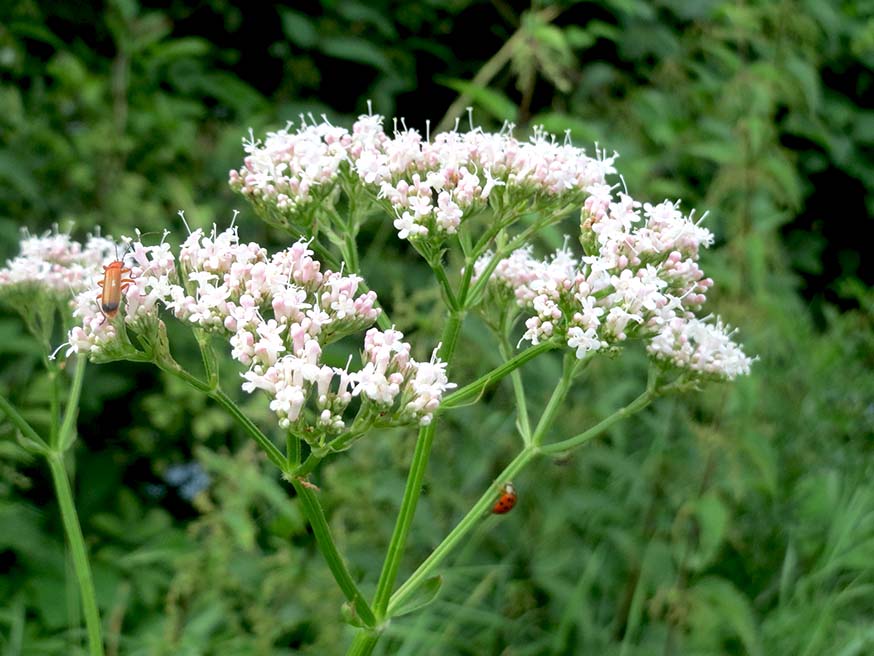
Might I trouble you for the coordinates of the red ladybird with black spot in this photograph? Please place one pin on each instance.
(506, 501)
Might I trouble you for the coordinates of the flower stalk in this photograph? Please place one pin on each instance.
(523, 423)
(316, 517)
(474, 389)
(76, 541)
(489, 195)
(570, 366)
(480, 509)
(477, 512)
(62, 438)
(413, 487)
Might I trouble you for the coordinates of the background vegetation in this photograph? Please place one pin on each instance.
(738, 521)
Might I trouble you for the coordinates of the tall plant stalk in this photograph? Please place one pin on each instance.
(62, 435)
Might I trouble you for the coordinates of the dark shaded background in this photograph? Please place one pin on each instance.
(736, 521)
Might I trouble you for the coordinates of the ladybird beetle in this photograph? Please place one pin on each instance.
(506, 501)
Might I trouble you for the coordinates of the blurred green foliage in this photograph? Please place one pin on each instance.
(736, 522)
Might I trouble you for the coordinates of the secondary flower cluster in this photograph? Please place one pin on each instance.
(639, 277)
(278, 313)
(152, 269)
(430, 186)
(54, 264)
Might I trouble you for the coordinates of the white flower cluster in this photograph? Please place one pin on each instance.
(55, 264)
(430, 185)
(152, 269)
(291, 169)
(278, 312)
(703, 347)
(640, 278)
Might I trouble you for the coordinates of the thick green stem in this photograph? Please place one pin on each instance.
(477, 387)
(449, 338)
(207, 355)
(276, 456)
(78, 552)
(363, 644)
(474, 515)
(485, 275)
(67, 433)
(316, 516)
(464, 289)
(21, 424)
(310, 506)
(173, 368)
(445, 285)
(561, 390)
(55, 402)
(577, 440)
(349, 248)
(522, 420)
(481, 507)
(350, 251)
(292, 451)
(310, 503)
(308, 465)
(405, 519)
(413, 489)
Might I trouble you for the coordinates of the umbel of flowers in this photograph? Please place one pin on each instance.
(639, 278)
(50, 268)
(278, 312)
(429, 187)
(55, 264)
(638, 275)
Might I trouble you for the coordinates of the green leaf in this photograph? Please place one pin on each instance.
(550, 36)
(355, 49)
(495, 103)
(788, 573)
(426, 593)
(162, 54)
(720, 607)
(298, 28)
(711, 517)
(603, 30)
(718, 152)
(782, 176)
(760, 453)
(36, 32)
(147, 30)
(578, 38)
(808, 79)
(362, 13)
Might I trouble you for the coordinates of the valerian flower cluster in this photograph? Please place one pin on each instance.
(40, 281)
(277, 312)
(638, 276)
(429, 187)
(55, 265)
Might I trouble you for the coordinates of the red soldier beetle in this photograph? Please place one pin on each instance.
(114, 284)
